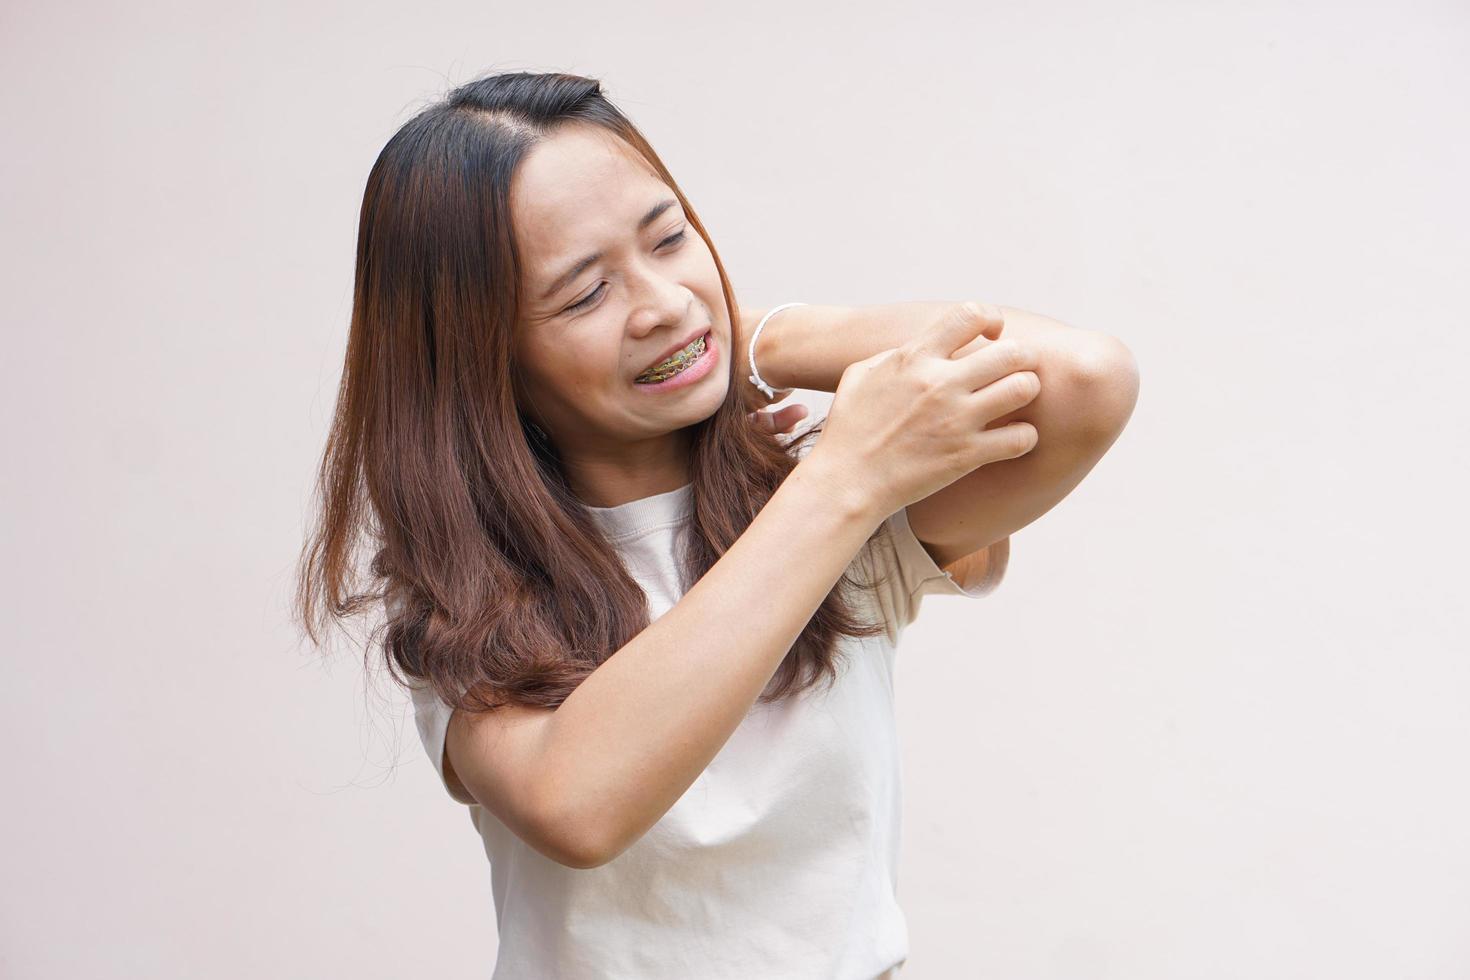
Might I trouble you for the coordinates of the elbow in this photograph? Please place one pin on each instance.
(576, 840)
(571, 851)
(1108, 373)
(583, 860)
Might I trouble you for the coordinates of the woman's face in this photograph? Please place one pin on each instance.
(588, 331)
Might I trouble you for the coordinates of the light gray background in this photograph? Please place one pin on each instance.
(1215, 723)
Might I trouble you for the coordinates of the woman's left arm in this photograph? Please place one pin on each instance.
(1089, 386)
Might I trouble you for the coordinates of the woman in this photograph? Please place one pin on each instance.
(650, 646)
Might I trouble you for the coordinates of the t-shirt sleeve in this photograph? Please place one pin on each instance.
(910, 573)
(431, 716)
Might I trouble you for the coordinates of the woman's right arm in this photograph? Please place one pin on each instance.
(635, 734)
(583, 781)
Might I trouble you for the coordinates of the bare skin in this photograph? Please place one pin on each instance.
(582, 782)
(580, 192)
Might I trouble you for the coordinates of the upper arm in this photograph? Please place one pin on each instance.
(494, 759)
(498, 758)
(1089, 383)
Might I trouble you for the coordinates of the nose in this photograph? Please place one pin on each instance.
(659, 301)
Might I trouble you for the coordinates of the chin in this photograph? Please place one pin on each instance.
(708, 403)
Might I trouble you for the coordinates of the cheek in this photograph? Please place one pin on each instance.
(576, 367)
(546, 368)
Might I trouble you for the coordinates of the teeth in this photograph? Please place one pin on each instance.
(675, 364)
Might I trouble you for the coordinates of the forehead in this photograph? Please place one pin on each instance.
(576, 191)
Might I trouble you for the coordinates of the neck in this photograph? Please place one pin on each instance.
(609, 481)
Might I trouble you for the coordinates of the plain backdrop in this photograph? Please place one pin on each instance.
(1215, 723)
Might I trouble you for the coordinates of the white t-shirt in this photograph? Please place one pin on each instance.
(781, 859)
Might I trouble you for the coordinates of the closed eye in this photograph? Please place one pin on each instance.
(675, 239)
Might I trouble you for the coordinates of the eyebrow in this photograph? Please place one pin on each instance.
(581, 264)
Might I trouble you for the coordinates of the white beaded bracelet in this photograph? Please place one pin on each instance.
(755, 376)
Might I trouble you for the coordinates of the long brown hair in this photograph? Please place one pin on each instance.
(499, 587)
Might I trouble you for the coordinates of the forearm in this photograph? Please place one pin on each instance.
(636, 733)
(810, 346)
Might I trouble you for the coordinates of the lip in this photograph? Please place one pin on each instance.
(674, 349)
(691, 375)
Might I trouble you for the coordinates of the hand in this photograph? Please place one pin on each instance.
(995, 323)
(781, 420)
(910, 420)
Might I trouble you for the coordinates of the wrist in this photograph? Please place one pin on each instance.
(841, 492)
(760, 356)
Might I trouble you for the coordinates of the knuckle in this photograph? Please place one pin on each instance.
(929, 385)
(959, 456)
(1012, 354)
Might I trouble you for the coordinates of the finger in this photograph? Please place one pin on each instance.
(989, 335)
(785, 420)
(1003, 376)
(762, 420)
(973, 345)
(766, 420)
(1009, 394)
(1013, 439)
(958, 326)
(998, 361)
(780, 421)
(996, 325)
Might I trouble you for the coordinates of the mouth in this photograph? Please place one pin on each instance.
(675, 361)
